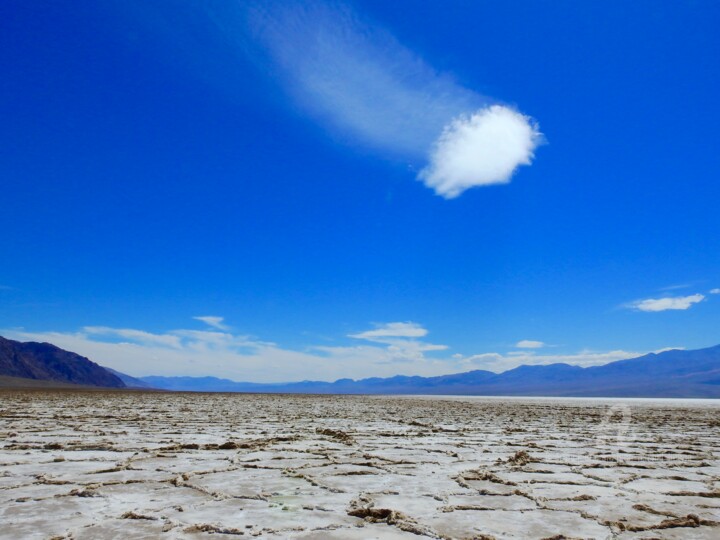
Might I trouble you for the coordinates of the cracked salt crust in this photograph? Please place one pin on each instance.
(160, 465)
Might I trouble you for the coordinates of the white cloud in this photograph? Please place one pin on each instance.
(211, 320)
(498, 362)
(715, 291)
(138, 336)
(481, 149)
(361, 83)
(401, 341)
(394, 329)
(665, 349)
(529, 344)
(676, 287)
(385, 360)
(668, 303)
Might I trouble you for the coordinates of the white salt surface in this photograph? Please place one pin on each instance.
(102, 465)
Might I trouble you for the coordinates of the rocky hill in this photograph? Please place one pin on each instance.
(46, 362)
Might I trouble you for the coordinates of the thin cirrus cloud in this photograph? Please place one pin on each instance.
(212, 320)
(529, 344)
(667, 303)
(676, 287)
(392, 330)
(360, 82)
(134, 336)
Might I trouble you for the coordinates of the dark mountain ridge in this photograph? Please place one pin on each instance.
(46, 362)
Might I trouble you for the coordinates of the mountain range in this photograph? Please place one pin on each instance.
(674, 374)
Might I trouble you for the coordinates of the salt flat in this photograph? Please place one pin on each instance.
(102, 465)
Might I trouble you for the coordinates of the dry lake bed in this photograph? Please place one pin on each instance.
(100, 465)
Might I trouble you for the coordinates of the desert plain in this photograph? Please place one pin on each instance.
(104, 465)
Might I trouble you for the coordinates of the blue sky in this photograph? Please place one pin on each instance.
(356, 189)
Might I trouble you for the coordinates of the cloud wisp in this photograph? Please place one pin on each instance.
(133, 336)
(676, 287)
(666, 303)
(212, 320)
(402, 341)
(529, 344)
(359, 81)
(715, 291)
(392, 330)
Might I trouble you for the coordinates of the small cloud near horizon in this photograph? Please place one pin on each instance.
(666, 349)
(666, 303)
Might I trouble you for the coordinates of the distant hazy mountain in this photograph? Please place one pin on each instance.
(130, 382)
(46, 362)
(200, 384)
(675, 373)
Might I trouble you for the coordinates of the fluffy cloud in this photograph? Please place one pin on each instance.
(481, 149)
(211, 320)
(668, 303)
(715, 291)
(362, 84)
(529, 344)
